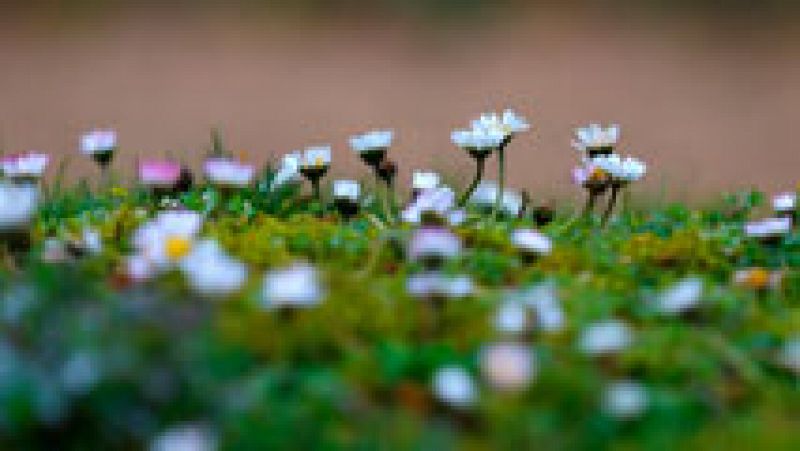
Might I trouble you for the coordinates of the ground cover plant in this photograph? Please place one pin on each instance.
(248, 308)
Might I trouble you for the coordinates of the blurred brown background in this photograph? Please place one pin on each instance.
(708, 93)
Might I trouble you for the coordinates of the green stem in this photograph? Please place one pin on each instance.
(500, 180)
(590, 203)
(611, 202)
(480, 163)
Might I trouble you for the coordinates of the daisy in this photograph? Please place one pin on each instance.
(29, 166)
(230, 173)
(508, 366)
(605, 337)
(531, 242)
(454, 386)
(297, 286)
(622, 171)
(100, 145)
(486, 193)
(433, 245)
(594, 140)
(784, 203)
(159, 173)
(18, 204)
(682, 296)
(435, 285)
(625, 400)
(164, 241)
(210, 271)
(345, 197)
(372, 146)
(289, 170)
(421, 180)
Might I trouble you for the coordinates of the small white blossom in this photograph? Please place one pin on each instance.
(92, 240)
(289, 170)
(479, 141)
(185, 437)
(425, 180)
(485, 196)
(435, 284)
(433, 242)
(605, 337)
(789, 355)
(168, 238)
(625, 400)
(508, 366)
(680, 297)
(98, 141)
(531, 241)
(453, 385)
(511, 317)
(316, 157)
(621, 170)
(159, 173)
(376, 140)
(297, 286)
(18, 204)
(595, 136)
(508, 123)
(346, 189)
(784, 202)
(227, 172)
(439, 200)
(211, 272)
(30, 165)
(768, 228)
(543, 298)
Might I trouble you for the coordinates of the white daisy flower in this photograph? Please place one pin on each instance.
(784, 202)
(511, 317)
(98, 142)
(167, 239)
(596, 140)
(18, 204)
(508, 123)
(543, 298)
(605, 337)
(508, 366)
(453, 385)
(485, 195)
(229, 173)
(347, 190)
(422, 180)
(478, 142)
(768, 228)
(185, 437)
(297, 286)
(789, 355)
(28, 166)
(433, 242)
(625, 400)
(92, 240)
(437, 200)
(434, 284)
(621, 170)
(373, 141)
(210, 271)
(316, 157)
(289, 170)
(682, 296)
(530, 241)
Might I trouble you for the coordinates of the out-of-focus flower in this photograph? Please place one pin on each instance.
(28, 166)
(590, 176)
(596, 140)
(509, 123)
(621, 170)
(625, 400)
(229, 173)
(757, 278)
(682, 296)
(434, 284)
(159, 173)
(18, 204)
(485, 195)
(508, 366)
(543, 298)
(433, 243)
(289, 170)
(349, 190)
(511, 317)
(297, 286)
(531, 242)
(98, 141)
(454, 386)
(54, 251)
(185, 437)
(81, 372)
(768, 228)
(91, 240)
(425, 180)
(440, 201)
(138, 268)
(316, 157)
(789, 355)
(478, 142)
(211, 272)
(167, 239)
(372, 146)
(784, 202)
(605, 337)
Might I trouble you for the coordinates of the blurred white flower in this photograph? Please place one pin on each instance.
(91, 240)
(138, 268)
(433, 242)
(768, 228)
(30, 165)
(425, 180)
(531, 241)
(297, 286)
(185, 437)
(439, 200)
(81, 372)
(316, 157)
(376, 140)
(511, 317)
(453, 385)
(54, 250)
(625, 400)
(589, 175)
(210, 271)
(508, 123)
(478, 142)
(680, 297)
(18, 204)
(346, 189)
(98, 141)
(621, 170)
(605, 337)
(595, 138)
(159, 173)
(508, 366)
(485, 195)
(227, 172)
(789, 355)
(289, 170)
(784, 202)
(543, 298)
(168, 238)
(433, 284)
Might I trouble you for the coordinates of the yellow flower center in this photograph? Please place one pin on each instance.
(177, 247)
(597, 174)
(319, 161)
(756, 279)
